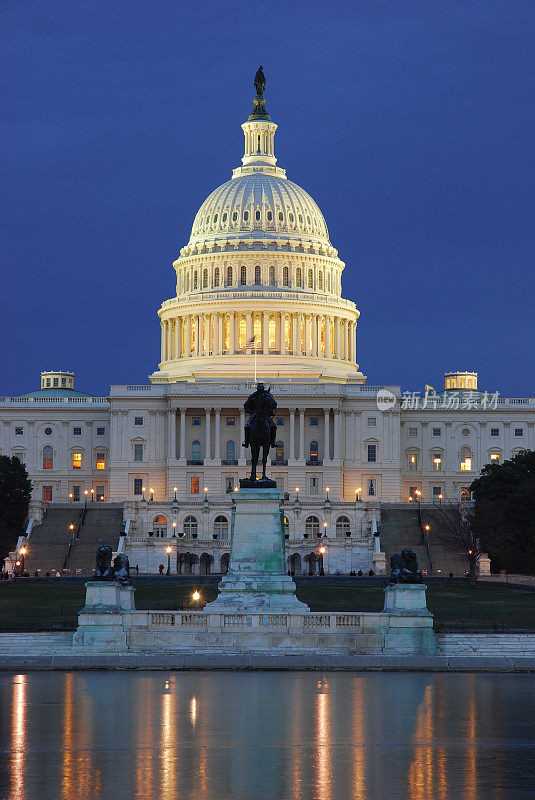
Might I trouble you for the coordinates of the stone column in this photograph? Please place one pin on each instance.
(294, 335)
(300, 324)
(207, 441)
(314, 323)
(162, 341)
(232, 342)
(171, 434)
(183, 433)
(220, 334)
(265, 332)
(327, 438)
(337, 338)
(337, 434)
(217, 442)
(282, 342)
(327, 337)
(248, 326)
(301, 434)
(291, 454)
(188, 336)
(307, 335)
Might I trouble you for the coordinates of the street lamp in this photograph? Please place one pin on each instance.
(196, 597)
(92, 495)
(440, 499)
(168, 550)
(427, 528)
(174, 530)
(324, 529)
(358, 492)
(151, 495)
(143, 490)
(322, 550)
(86, 493)
(71, 496)
(175, 490)
(22, 553)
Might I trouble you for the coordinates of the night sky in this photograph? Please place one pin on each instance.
(410, 123)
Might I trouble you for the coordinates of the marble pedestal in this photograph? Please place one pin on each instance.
(104, 619)
(257, 580)
(410, 623)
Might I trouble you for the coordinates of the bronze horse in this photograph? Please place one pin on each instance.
(260, 430)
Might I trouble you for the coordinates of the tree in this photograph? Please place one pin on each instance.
(454, 526)
(15, 495)
(504, 512)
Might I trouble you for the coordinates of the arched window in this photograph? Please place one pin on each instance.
(216, 276)
(257, 275)
(279, 452)
(230, 451)
(190, 526)
(205, 279)
(310, 279)
(243, 332)
(243, 276)
(466, 459)
(342, 527)
(195, 279)
(285, 276)
(221, 527)
(320, 280)
(229, 276)
(298, 277)
(257, 215)
(159, 527)
(195, 451)
(48, 457)
(257, 332)
(272, 276)
(314, 452)
(312, 527)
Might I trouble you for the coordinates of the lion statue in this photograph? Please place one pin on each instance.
(103, 568)
(121, 569)
(404, 568)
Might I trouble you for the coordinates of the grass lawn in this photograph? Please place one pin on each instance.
(456, 608)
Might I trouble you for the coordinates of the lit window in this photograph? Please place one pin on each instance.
(466, 459)
(76, 431)
(519, 431)
(413, 432)
(101, 461)
(138, 486)
(279, 452)
(226, 344)
(101, 431)
(314, 457)
(47, 494)
(465, 494)
(437, 431)
(495, 457)
(194, 485)
(99, 492)
(372, 486)
(372, 452)
(257, 332)
(494, 432)
(231, 421)
(272, 331)
(48, 457)
(413, 462)
(19, 431)
(372, 422)
(138, 420)
(77, 461)
(138, 452)
(437, 462)
(242, 333)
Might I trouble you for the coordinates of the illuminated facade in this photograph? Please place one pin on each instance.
(258, 273)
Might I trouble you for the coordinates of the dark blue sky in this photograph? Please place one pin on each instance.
(410, 123)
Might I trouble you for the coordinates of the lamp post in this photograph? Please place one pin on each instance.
(324, 530)
(151, 495)
(71, 496)
(358, 492)
(168, 550)
(196, 597)
(22, 553)
(143, 490)
(440, 499)
(174, 530)
(85, 494)
(92, 495)
(175, 490)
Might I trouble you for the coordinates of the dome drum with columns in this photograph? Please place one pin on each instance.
(259, 264)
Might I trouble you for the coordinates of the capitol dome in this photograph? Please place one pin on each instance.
(258, 275)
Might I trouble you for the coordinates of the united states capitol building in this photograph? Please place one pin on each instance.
(258, 290)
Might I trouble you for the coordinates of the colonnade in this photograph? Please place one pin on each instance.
(284, 333)
(214, 276)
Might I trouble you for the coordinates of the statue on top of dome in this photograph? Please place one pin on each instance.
(259, 103)
(260, 80)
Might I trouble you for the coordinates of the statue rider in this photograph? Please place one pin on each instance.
(260, 400)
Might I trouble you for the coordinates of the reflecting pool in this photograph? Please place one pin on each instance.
(266, 735)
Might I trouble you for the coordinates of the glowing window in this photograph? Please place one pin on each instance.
(243, 332)
(314, 453)
(101, 461)
(466, 459)
(227, 335)
(495, 458)
(48, 457)
(322, 337)
(437, 462)
(272, 330)
(257, 332)
(287, 334)
(77, 461)
(413, 462)
(279, 452)
(47, 494)
(194, 485)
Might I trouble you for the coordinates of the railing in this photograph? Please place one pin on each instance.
(348, 621)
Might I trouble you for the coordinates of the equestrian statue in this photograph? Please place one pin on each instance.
(260, 432)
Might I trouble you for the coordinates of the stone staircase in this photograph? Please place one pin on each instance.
(102, 525)
(400, 528)
(486, 644)
(49, 541)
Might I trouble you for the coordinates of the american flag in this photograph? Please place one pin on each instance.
(249, 345)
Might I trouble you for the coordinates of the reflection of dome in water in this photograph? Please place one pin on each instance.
(259, 264)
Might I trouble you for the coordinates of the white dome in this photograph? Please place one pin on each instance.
(259, 203)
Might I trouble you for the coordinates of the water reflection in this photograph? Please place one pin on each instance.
(260, 736)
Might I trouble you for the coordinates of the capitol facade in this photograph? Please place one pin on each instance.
(258, 293)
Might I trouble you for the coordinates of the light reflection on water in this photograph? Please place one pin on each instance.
(265, 736)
